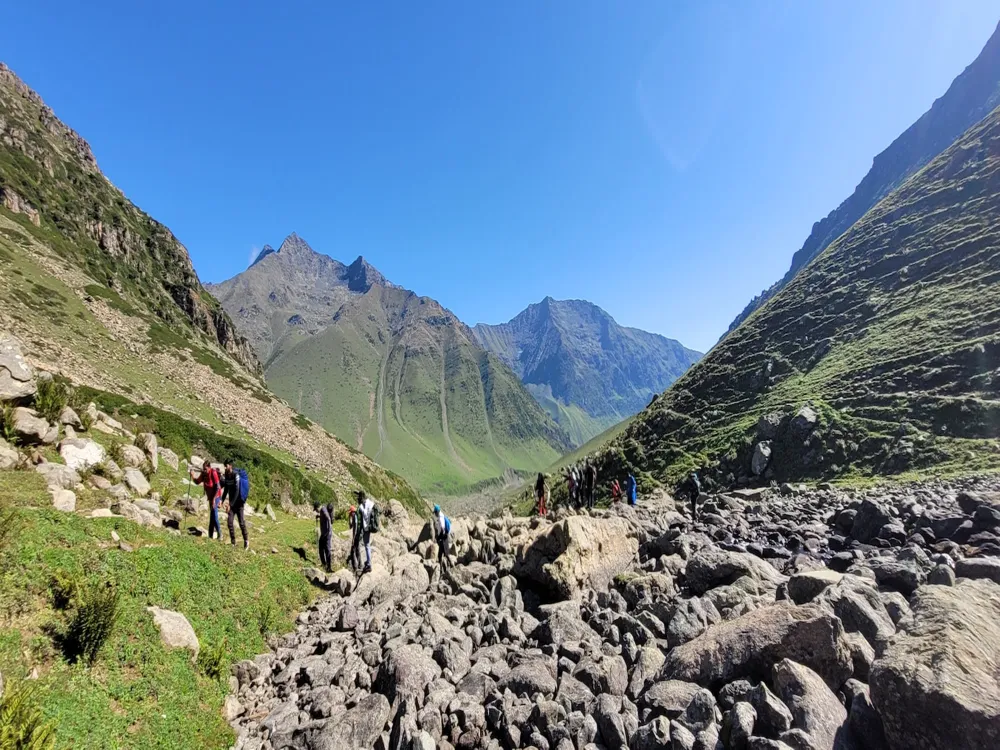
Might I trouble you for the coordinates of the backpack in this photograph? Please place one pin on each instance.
(212, 479)
(373, 518)
(243, 484)
(447, 525)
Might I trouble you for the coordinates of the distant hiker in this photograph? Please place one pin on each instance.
(235, 489)
(442, 534)
(571, 485)
(210, 480)
(631, 489)
(541, 495)
(575, 497)
(616, 492)
(369, 524)
(325, 514)
(692, 488)
(590, 481)
(354, 524)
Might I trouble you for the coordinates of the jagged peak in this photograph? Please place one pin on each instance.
(362, 276)
(293, 243)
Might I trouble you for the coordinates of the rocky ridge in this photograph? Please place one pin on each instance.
(780, 618)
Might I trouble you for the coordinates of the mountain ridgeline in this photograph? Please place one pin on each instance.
(395, 374)
(585, 369)
(881, 356)
(970, 98)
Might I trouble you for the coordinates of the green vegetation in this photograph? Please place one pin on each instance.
(22, 724)
(52, 397)
(890, 335)
(136, 694)
(96, 609)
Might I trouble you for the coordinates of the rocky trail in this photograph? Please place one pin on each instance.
(780, 619)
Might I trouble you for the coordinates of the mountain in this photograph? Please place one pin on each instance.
(881, 356)
(586, 370)
(100, 292)
(395, 374)
(970, 97)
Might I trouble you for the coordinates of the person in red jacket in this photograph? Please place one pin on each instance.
(209, 479)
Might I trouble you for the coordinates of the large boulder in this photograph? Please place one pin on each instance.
(58, 475)
(711, 567)
(357, 727)
(815, 709)
(132, 456)
(577, 554)
(761, 457)
(9, 457)
(749, 646)
(81, 453)
(937, 685)
(175, 630)
(17, 378)
(137, 482)
(868, 521)
(168, 457)
(406, 672)
(31, 429)
(147, 442)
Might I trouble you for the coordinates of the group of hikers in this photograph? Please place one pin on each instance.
(581, 486)
(228, 491)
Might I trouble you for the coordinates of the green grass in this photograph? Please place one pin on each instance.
(138, 694)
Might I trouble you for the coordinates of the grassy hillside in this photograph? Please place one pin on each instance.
(403, 379)
(892, 335)
(138, 694)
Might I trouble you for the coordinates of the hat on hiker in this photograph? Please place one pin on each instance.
(437, 509)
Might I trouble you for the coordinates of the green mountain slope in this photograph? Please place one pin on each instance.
(396, 375)
(892, 334)
(98, 291)
(970, 97)
(587, 371)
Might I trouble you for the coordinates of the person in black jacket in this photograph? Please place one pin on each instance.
(692, 488)
(326, 536)
(236, 505)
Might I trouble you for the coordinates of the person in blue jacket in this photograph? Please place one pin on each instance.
(631, 490)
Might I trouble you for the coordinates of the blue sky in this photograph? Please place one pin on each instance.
(661, 159)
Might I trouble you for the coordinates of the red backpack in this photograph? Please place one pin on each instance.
(212, 479)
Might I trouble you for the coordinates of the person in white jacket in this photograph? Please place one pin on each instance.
(442, 533)
(366, 509)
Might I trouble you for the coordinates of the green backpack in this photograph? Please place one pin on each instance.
(373, 519)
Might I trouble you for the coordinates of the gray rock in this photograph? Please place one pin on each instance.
(804, 587)
(773, 716)
(738, 726)
(610, 724)
(691, 618)
(815, 709)
(69, 418)
(669, 698)
(58, 475)
(529, 678)
(358, 727)
(64, 500)
(17, 378)
(987, 568)
(30, 429)
(406, 673)
(761, 457)
(168, 457)
(938, 683)
(81, 453)
(750, 645)
(711, 567)
(804, 421)
(868, 521)
(574, 695)
(863, 720)
(653, 736)
(137, 482)
(133, 456)
(942, 575)
(175, 630)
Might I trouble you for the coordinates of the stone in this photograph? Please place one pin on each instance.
(711, 567)
(804, 421)
(69, 418)
(64, 500)
(175, 630)
(168, 457)
(357, 727)
(30, 429)
(17, 378)
(691, 618)
(269, 511)
(58, 475)
(942, 575)
(804, 587)
(750, 645)
(938, 683)
(669, 698)
(738, 726)
(232, 709)
(574, 695)
(610, 724)
(137, 482)
(406, 672)
(133, 513)
(81, 453)
(132, 456)
(868, 521)
(815, 709)
(653, 736)
(577, 554)
(648, 663)
(529, 678)
(761, 457)
(987, 568)
(864, 722)
(903, 576)
(148, 443)
(9, 457)
(773, 716)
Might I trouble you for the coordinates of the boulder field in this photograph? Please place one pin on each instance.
(780, 619)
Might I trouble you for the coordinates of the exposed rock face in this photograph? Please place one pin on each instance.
(577, 554)
(17, 378)
(938, 683)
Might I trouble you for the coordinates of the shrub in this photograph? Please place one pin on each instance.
(91, 622)
(211, 660)
(22, 725)
(9, 523)
(7, 425)
(116, 452)
(267, 618)
(52, 397)
(65, 588)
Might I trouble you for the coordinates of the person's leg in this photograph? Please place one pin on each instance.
(243, 525)
(368, 550)
(229, 523)
(447, 551)
(213, 523)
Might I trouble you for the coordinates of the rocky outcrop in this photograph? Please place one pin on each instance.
(17, 378)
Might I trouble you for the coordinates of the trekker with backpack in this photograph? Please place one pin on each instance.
(354, 524)
(442, 534)
(369, 525)
(325, 514)
(541, 495)
(209, 478)
(692, 488)
(616, 492)
(631, 489)
(571, 485)
(590, 473)
(235, 491)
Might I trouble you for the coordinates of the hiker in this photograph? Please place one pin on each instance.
(616, 492)
(325, 514)
(210, 480)
(442, 533)
(541, 494)
(590, 476)
(354, 524)
(235, 489)
(369, 523)
(692, 488)
(571, 485)
(631, 489)
(576, 487)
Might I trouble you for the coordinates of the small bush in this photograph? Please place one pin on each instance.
(211, 660)
(91, 622)
(116, 452)
(22, 725)
(52, 397)
(9, 523)
(65, 588)
(7, 425)
(267, 618)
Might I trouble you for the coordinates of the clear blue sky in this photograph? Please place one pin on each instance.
(662, 159)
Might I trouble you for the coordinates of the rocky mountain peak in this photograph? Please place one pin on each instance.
(362, 276)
